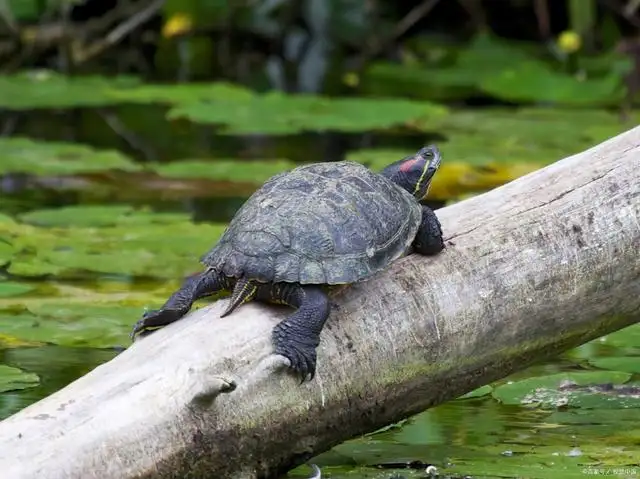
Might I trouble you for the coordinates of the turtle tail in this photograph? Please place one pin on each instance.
(243, 292)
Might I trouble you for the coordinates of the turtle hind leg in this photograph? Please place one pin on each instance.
(429, 239)
(179, 303)
(297, 337)
(243, 292)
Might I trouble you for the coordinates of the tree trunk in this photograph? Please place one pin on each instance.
(531, 269)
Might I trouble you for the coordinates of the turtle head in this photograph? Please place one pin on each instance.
(414, 173)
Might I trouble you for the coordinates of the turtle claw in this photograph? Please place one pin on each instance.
(302, 359)
(154, 319)
(137, 328)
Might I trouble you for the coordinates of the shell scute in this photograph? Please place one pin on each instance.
(323, 223)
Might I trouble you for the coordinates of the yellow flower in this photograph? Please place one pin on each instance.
(569, 41)
(177, 24)
(351, 79)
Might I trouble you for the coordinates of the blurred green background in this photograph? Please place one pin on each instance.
(131, 131)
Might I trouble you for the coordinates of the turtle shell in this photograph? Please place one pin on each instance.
(324, 223)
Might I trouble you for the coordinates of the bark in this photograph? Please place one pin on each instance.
(531, 269)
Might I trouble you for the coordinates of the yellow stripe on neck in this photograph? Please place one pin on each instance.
(421, 179)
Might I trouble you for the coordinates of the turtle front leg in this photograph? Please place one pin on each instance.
(429, 239)
(179, 303)
(297, 337)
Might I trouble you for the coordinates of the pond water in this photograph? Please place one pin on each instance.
(85, 249)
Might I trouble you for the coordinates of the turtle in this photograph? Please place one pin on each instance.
(305, 231)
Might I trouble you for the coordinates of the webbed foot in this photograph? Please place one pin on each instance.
(299, 349)
(297, 337)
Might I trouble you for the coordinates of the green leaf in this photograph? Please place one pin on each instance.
(479, 392)
(526, 134)
(533, 81)
(628, 364)
(581, 417)
(21, 155)
(416, 81)
(97, 317)
(178, 94)
(253, 171)
(13, 379)
(77, 216)
(95, 325)
(277, 113)
(82, 319)
(6, 252)
(546, 391)
(484, 56)
(137, 262)
(508, 71)
(98, 216)
(10, 288)
(539, 461)
(149, 245)
(487, 54)
(32, 267)
(47, 89)
(628, 337)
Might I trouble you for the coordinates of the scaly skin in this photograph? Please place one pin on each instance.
(296, 338)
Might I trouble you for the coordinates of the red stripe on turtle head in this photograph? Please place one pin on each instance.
(407, 165)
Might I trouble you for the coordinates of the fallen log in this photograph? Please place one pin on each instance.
(531, 269)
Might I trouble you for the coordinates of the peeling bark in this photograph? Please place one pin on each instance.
(531, 269)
